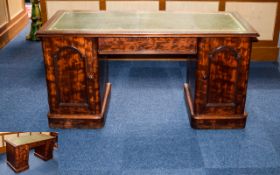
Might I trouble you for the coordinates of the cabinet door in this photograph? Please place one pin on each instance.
(72, 75)
(222, 74)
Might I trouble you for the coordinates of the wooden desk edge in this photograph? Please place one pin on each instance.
(10, 142)
(43, 32)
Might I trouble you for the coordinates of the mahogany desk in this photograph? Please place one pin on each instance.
(78, 93)
(18, 150)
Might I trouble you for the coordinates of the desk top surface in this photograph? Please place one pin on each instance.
(87, 22)
(23, 140)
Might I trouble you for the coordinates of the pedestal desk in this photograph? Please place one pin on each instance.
(78, 88)
(17, 150)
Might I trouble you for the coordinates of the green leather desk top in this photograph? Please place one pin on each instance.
(23, 140)
(146, 23)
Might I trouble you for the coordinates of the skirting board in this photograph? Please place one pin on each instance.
(12, 28)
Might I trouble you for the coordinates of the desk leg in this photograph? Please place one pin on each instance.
(17, 157)
(45, 152)
(221, 84)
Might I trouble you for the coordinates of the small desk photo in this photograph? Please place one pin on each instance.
(17, 150)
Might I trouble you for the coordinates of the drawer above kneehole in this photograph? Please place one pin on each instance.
(147, 45)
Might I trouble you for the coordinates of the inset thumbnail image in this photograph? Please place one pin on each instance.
(29, 153)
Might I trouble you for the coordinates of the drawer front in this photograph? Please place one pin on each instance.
(153, 45)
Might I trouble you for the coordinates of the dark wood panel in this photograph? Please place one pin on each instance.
(147, 45)
(265, 53)
(212, 121)
(222, 5)
(102, 4)
(73, 81)
(17, 157)
(221, 84)
(162, 4)
(43, 8)
(70, 69)
(2, 149)
(72, 77)
(45, 151)
(61, 120)
(222, 75)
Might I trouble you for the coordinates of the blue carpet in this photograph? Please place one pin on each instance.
(147, 129)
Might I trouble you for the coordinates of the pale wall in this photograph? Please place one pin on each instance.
(53, 6)
(3, 13)
(190, 6)
(262, 16)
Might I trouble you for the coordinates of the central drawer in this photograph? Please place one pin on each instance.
(147, 45)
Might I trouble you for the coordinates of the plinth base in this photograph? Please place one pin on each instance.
(17, 170)
(82, 120)
(210, 121)
(42, 157)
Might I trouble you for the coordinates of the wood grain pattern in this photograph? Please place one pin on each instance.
(207, 121)
(147, 45)
(82, 120)
(72, 76)
(222, 75)
(221, 83)
(69, 66)
(45, 151)
(17, 158)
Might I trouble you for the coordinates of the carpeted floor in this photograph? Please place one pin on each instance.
(147, 131)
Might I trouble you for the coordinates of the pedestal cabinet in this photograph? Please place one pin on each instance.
(74, 85)
(221, 83)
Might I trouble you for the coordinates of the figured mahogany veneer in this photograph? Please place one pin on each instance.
(77, 80)
(148, 45)
(17, 150)
(72, 73)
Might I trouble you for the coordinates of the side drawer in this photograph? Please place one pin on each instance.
(147, 45)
